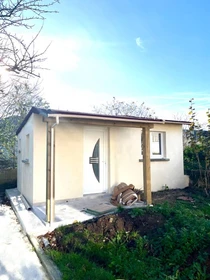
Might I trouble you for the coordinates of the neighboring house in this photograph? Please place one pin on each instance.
(64, 155)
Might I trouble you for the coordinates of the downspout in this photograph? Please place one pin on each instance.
(50, 186)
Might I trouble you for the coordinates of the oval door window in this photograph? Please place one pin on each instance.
(95, 160)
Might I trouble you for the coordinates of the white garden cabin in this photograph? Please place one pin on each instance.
(64, 155)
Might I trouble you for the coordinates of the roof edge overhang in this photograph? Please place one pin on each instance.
(76, 115)
(34, 110)
(105, 118)
(85, 117)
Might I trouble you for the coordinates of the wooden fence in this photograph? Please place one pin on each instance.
(8, 175)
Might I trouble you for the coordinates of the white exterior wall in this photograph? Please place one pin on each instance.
(124, 152)
(39, 150)
(68, 161)
(170, 172)
(25, 151)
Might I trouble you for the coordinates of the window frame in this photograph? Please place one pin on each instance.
(162, 154)
(162, 144)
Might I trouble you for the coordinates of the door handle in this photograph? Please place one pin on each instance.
(93, 160)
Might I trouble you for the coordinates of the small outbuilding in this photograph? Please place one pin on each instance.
(64, 155)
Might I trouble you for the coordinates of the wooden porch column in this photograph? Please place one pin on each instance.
(48, 173)
(146, 165)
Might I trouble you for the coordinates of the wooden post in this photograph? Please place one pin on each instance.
(146, 165)
(48, 173)
(52, 187)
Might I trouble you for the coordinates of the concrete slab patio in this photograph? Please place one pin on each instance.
(66, 212)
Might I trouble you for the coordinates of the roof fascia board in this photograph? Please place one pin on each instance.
(102, 118)
(102, 122)
(177, 122)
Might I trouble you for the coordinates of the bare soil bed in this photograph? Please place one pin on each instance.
(126, 220)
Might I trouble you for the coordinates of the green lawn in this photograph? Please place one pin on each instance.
(179, 248)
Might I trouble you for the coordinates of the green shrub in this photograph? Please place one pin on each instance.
(76, 267)
(176, 250)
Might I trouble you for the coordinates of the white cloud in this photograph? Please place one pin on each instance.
(63, 96)
(139, 43)
(62, 54)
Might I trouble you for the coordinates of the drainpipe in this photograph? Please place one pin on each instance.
(50, 194)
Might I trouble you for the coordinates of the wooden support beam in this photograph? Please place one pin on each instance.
(48, 172)
(146, 165)
(112, 123)
(52, 187)
(106, 123)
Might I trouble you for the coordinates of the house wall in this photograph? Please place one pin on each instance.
(25, 151)
(68, 161)
(170, 172)
(125, 152)
(39, 159)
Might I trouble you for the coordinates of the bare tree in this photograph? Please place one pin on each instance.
(19, 99)
(122, 108)
(13, 108)
(19, 56)
(16, 54)
(181, 117)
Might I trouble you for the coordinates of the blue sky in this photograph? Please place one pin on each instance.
(153, 51)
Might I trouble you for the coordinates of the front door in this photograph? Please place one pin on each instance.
(94, 161)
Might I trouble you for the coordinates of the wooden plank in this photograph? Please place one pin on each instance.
(112, 124)
(105, 123)
(146, 165)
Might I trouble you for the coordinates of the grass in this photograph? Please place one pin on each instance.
(178, 249)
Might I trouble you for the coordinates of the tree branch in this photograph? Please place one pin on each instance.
(16, 54)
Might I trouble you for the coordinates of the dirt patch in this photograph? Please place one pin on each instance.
(170, 196)
(109, 225)
(129, 220)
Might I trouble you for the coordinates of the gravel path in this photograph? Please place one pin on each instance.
(18, 261)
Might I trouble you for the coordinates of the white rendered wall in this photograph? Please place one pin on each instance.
(170, 172)
(39, 150)
(68, 161)
(25, 151)
(125, 152)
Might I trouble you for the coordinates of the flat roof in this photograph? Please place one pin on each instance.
(51, 113)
